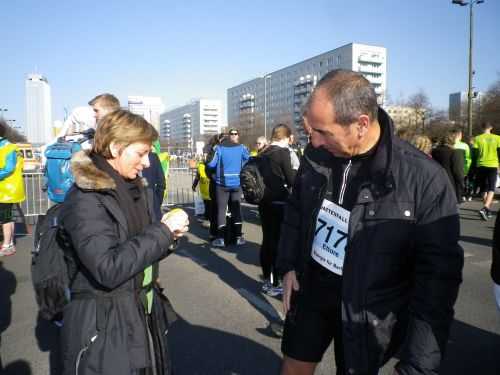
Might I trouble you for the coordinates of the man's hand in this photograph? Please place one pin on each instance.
(290, 284)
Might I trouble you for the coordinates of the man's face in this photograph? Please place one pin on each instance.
(234, 136)
(99, 111)
(339, 140)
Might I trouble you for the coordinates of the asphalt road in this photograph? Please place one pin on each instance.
(225, 320)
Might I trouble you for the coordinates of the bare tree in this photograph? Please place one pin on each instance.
(11, 134)
(490, 110)
(420, 105)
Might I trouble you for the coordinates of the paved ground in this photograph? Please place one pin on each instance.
(225, 321)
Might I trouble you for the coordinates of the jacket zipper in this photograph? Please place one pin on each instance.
(344, 183)
(82, 352)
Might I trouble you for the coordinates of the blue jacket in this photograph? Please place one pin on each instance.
(10, 162)
(228, 160)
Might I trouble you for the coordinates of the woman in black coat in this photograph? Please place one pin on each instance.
(116, 321)
(278, 175)
(452, 161)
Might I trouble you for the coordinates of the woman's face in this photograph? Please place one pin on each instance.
(129, 161)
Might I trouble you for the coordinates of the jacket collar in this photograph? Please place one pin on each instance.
(381, 176)
(88, 176)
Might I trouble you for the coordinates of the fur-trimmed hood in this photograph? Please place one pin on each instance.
(88, 176)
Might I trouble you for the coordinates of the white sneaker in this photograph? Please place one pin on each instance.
(275, 291)
(8, 250)
(218, 242)
(240, 240)
(266, 286)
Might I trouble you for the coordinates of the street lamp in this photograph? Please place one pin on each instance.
(2, 111)
(469, 91)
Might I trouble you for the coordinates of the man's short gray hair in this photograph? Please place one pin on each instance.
(351, 95)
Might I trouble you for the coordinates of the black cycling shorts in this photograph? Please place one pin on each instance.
(314, 320)
(487, 178)
(5, 213)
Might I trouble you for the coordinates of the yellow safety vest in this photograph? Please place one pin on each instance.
(204, 182)
(12, 187)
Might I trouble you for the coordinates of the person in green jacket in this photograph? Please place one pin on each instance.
(459, 145)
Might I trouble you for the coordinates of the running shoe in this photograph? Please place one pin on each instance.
(275, 291)
(266, 286)
(240, 240)
(484, 213)
(8, 250)
(218, 242)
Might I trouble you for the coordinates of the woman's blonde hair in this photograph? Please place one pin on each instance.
(422, 142)
(123, 128)
(280, 131)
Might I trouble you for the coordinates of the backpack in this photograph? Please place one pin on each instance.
(58, 176)
(49, 271)
(251, 181)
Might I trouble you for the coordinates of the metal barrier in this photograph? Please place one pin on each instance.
(37, 202)
(179, 191)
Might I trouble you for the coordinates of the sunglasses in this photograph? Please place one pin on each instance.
(233, 133)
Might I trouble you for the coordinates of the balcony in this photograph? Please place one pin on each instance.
(372, 58)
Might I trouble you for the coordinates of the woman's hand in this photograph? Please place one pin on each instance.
(177, 221)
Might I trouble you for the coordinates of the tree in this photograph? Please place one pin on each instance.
(490, 110)
(11, 134)
(420, 105)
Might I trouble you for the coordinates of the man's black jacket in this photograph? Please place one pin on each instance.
(403, 264)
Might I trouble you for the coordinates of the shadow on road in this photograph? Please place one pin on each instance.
(477, 240)
(47, 336)
(202, 350)
(471, 350)
(8, 285)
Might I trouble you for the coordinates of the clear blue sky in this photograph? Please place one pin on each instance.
(185, 49)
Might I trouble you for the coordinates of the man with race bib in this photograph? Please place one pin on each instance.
(371, 256)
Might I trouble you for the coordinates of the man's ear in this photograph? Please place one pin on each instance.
(363, 125)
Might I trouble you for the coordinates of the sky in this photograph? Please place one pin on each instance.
(180, 50)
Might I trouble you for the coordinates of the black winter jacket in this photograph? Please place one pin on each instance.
(403, 264)
(452, 161)
(495, 256)
(276, 170)
(104, 328)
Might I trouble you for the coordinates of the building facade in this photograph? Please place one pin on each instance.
(183, 128)
(38, 128)
(149, 107)
(457, 110)
(405, 116)
(279, 97)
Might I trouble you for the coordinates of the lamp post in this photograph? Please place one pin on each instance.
(2, 111)
(471, 30)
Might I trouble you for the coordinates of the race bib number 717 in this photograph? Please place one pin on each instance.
(330, 237)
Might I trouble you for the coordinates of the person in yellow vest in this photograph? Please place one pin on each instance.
(203, 181)
(11, 190)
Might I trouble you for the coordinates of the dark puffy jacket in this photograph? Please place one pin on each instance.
(453, 163)
(495, 256)
(403, 264)
(104, 328)
(276, 170)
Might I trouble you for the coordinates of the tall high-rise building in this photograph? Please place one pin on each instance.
(38, 109)
(149, 107)
(457, 110)
(279, 96)
(183, 127)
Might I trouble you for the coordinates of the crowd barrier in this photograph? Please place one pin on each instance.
(178, 191)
